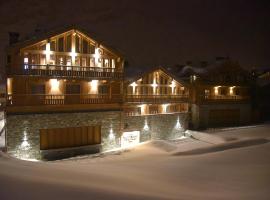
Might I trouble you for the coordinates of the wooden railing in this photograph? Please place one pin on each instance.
(156, 98)
(224, 98)
(66, 71)
(40, 99)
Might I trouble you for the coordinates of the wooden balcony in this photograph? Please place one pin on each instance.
(224, 98)
(63, 71)
(156, 98)
(66, 99)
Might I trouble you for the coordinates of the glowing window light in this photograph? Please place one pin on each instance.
(154, 85)
(164, 108)
(133, 87)
(54, 85)
(231, 90)
(97, 56)
(25, 60)
(216, 90)
(73, 55)
(93, 86)
(173, 85)
(48, 52)
(129, 139)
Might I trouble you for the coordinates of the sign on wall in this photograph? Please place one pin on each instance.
(130, 138)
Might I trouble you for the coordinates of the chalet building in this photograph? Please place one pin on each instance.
(156, 92)
(61, 70)
(220, 95)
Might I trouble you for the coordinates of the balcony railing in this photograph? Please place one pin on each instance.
(224, 98)
(67, 71)
(65, 99)
(156, 98)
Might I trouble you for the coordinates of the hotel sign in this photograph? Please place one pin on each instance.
(130, 138)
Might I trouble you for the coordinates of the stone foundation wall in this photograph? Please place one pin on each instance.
(23, 130)
(164, 126)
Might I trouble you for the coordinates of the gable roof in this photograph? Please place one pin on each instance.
(142, 74)
(43, 35)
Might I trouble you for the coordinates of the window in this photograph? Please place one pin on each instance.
(52, 60)
(68, 43)
(237, 91)
(61, 44)
(77, 61)
(43, 47)
(207, 93)
(223, 91)
(52, 46)
(85, 46)
(77, 44)
(60, 60)
(84, 62)
(43, 59)
(92, 49)
(68, 61)
(25, 60)
(103, 89)
(106, 62)
(113, 63)
(92, 62)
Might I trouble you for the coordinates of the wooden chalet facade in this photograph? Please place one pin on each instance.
(156, 92)
(220, 96)
(62, 71)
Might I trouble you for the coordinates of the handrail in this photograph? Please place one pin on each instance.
(156, 98)
(61, 99)
(225, 97)
(66, 71)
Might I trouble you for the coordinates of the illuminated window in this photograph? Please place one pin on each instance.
(25, 63)
(113, 63)
(92, 62)
(43, 59)
(106, 63)
(84, 62)
(207, 93)
(77, 61)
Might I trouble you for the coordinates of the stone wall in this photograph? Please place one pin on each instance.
(163, 126)
(23, 130)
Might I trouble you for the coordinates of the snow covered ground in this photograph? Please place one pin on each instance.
(184, 169)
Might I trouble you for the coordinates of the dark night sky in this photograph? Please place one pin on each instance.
(152, 33)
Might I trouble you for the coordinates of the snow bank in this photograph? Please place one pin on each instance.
(222, 147)
(205, 137)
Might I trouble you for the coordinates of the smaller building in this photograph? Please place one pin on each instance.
(219, 95)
